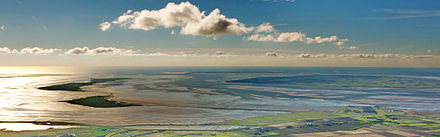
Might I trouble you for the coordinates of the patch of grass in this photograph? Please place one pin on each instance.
(278, 119)
(419, 121)
(308, 122)
(436, 130)
(77, 86)
(99, 102)
(204, 134)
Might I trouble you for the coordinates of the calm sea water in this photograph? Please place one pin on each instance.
(211, 94)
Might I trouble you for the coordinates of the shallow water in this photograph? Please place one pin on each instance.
(204, 95)
(29, 126)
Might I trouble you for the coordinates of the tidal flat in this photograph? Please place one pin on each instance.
(197, 96)
(350, 120)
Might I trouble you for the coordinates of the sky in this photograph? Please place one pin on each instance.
(337, 33)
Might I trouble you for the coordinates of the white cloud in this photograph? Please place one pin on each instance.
(262, 34)
(6, 50)
(265, 27)
(215, 24)
(2, 28)
(295, 37)
(104, 26)
(28, 50)
(260, 37)
(184, 15)
(271, 54)
(180, 54)
(387, 56)
(352, 47)
(225, 56)
(304, 55)
(321, 55)
(77, 51)
(291, 37)
(146, 52)
(341, 42)
(38, 51)
(219, 53)
(320, 39)
(279, 37)
(100, 51)
(194, 22)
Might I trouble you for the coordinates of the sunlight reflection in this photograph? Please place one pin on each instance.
(38, 70)
(18, 90)
(29, 126)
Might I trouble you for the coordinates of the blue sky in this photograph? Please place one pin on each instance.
(407, 27)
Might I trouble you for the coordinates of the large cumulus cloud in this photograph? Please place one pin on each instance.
(192, 21)
(184, 15)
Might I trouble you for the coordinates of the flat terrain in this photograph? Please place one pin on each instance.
(345, 81)
(293, 102)
(347, 121)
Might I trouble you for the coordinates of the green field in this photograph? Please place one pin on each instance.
(426, 122)
(278, 119)
(364, 121)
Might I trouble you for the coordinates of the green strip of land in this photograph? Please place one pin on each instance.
(99, 102)
(77, 86)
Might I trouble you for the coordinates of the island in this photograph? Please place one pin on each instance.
(99, 102)
(77, 86)
(92, 101)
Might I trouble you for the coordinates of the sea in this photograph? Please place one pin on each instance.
(198, 95)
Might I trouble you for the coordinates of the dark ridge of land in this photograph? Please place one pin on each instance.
(77, 86)
(99, 102)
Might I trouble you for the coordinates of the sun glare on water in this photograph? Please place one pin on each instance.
(18, 92)
(28, 126)
(21, 70)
